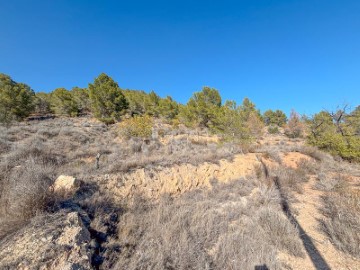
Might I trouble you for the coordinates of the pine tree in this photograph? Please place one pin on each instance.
(16, 99)
(203, 107)
(63, 102)
(108, 102)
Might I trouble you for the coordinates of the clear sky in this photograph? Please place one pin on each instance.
(284, 54)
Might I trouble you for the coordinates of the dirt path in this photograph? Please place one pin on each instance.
(321, 254)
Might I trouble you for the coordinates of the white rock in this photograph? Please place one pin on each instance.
(66, 183)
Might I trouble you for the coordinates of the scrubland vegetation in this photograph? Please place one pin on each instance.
(241, 223)
(336, 132)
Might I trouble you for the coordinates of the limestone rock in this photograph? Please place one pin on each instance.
(65, 183)
(56, 241)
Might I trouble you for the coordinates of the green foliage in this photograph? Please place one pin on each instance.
(202, 108)
(277, 118)
(337, 133)
(354, 120)
(151, 104)
(231, 124)
(82, 99)
(43, 103)
(252, 118)
(136, 101)
(16, 99)
(239, 123)
(137, 126)
(63, 102)
(168, 108)
(248, 108)
(273, 129)
(107, 100)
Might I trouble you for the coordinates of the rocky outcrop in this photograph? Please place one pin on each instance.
(179, 178)
(57, 241)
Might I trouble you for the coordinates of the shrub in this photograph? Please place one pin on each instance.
(273, 129)
(295, 127)
(277, 118)
(138, 126)
(4, 146)
(342, 222)
(336, 133)
(24, 193)
(255, 125)
(330, 183)
(290, 179)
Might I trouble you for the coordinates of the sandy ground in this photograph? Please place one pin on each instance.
(321, 254)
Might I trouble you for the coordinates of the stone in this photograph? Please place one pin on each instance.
(65, 183)
(69, 248)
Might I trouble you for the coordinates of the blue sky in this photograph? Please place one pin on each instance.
(281, 54)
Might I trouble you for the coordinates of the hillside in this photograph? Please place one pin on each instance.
(180, 199)
(180, 135)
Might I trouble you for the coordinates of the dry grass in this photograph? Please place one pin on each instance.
(313, 152)
(310, 167)
(342, 222)
(77, 143)
(139, 155)
(335, 182)
(290, 179)
(33, 154)
(24, 193)
(273, 154)
(238, 225)
(217, 229)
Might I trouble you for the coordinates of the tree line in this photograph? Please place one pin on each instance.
(337, 132)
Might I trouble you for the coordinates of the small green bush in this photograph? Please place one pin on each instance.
(138, 126)
(273, 129)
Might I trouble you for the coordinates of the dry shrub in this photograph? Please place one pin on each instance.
(342, 222)
(279, 231)
(24, 193)
(26, 173)
(274, 155)
(214, 229)
(48, 133)
(137, 154)
(308, 166)
(331, 182)
(290, 179)
(255, 125)
(295, 127)
(73, 146)
(4, 146)
(313, 152)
